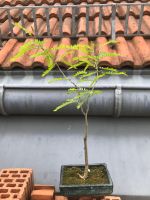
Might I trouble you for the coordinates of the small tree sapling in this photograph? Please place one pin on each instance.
(85, 68)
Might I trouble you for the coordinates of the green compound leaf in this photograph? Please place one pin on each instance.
(56, 79)
(51, 65)
(17, 24)
(107, 54)
(72, 90)
(79, 73)
(38, 54)
(111, 42)
(64, 104)
(80, 64)
(25, 48)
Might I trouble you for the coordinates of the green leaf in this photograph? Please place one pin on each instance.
(62, 46)
(38, 54)
(95, 92)
(111, 42)
(85, 80)
(26, 47)
(64, 104)
(97, 78)
(39, 42)
(82, 59)
(51, 65)
(47, 71)
(79, 73)
(72, 90)
(74, 66)
(107, 54)
(94, 58)
(56, 79)
(113, 71)
(88, 74)
(17, 24)
(68, 64)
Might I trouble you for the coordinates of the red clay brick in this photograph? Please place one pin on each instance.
(8, 180)
(11, 185)
(39, 187)
(4, 190)
(16, 183)
(3, 196)
(10, 197)
(1, 185)
(16, 171)
(16, 175)
(43, 194)
(85, 198)
(4, 175)
(91, 198)
(13, 192)
(112, 198)
(60, 198)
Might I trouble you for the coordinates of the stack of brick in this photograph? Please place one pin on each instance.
(16, 184)
(43, 192)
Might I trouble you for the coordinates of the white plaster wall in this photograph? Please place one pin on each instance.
(44, 143)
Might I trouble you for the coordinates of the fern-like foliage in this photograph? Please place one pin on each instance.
(86, 67)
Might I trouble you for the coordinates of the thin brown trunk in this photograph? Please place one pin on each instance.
(86, 170)
(86, 166)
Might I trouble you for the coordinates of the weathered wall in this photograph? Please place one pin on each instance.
(44, 143)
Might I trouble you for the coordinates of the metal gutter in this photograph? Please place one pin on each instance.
(32, 95)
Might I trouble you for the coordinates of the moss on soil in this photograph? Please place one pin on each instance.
(97, 175)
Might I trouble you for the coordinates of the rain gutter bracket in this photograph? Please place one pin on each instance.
(2, 107)
(118, 101)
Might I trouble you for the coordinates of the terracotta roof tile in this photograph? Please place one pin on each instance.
(67, 14)
(40, 61)
(106, 25)
(142, 47)
(94, 11)
(126, 58)
(135, 52)
(5, 52)
(105, 48)
(51, 2)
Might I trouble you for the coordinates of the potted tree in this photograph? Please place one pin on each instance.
(85, 179)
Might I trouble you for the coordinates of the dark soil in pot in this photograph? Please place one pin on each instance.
(97, 175)
(98, 183)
